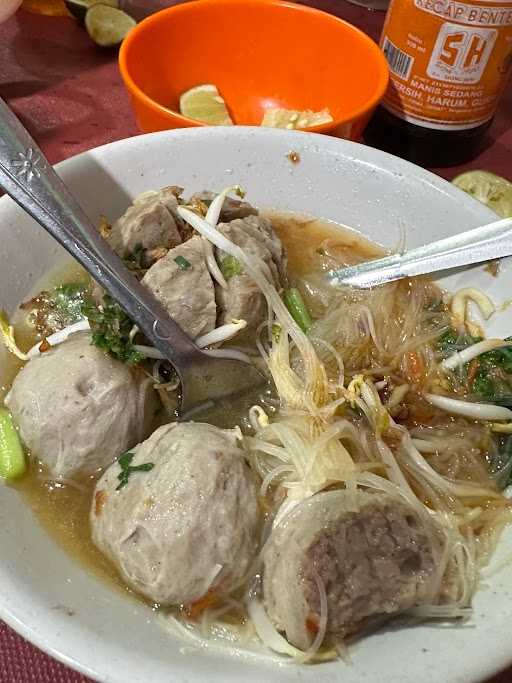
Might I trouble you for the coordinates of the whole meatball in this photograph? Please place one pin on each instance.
(187, 526)
(373, 554)
(77, 408)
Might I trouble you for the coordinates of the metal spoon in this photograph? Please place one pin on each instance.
(488, 242)
(27, 176)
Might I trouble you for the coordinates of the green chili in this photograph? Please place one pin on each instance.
(12, 457)
(298, 309)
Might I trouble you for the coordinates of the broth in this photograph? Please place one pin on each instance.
(63, 511)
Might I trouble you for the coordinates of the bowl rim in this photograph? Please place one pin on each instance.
(136, 91)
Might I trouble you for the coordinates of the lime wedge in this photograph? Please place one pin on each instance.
(291, 118)
(489, 189)
(78, 8)
(106, 25)
(205, 104)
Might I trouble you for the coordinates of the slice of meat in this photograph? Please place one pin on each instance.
(231, 209)
(262, 230)
(182, 283)
(151, 223)
(242, 299)
(373, 554)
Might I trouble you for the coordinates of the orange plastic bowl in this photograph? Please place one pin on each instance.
(260, 54)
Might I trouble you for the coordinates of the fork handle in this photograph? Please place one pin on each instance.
(473, 246)
(27, 176)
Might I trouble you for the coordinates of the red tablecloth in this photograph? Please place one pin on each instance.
(69, 95)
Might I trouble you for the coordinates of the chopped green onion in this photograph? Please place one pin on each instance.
(182, 263)
(12, 457)
(276, 332)
(231, 266)
(298, 309)
(127, 469)
(125, 460)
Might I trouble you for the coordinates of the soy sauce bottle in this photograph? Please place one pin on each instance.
(449, 65)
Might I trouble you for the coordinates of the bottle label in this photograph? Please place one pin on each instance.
(449, 61)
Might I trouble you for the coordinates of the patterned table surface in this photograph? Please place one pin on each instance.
(69, 95)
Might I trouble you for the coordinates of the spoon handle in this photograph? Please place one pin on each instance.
(27, 176)
(473, 246)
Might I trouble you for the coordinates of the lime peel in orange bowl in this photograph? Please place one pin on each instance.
(205, 104)
(268, 55)
(292, 119)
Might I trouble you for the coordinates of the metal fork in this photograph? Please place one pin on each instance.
(27, 176)
(488, 242)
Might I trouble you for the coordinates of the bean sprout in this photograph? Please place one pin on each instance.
(466, 355)
(60, 336)
(220, 334)
(477, 411)
(211, 263)
(460, 300)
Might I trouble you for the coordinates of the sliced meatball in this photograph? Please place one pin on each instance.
(373, 554)
(182, 283)
(231, 209)
(150, 223)
(243, 298)
(186, 527)
(77, 409)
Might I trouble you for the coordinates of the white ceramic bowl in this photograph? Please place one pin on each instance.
(116, 640)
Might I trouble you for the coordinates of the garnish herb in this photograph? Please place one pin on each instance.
(231, 266)
(489, 376)
(136, 260)
(111, 329)
(127, 469)
(182, 263)
(492, 380)
(298, 309)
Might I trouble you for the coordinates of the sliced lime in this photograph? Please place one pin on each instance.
(106, 25)
(488, 188)
(205, 104)
(292, 118)
(78, 8)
